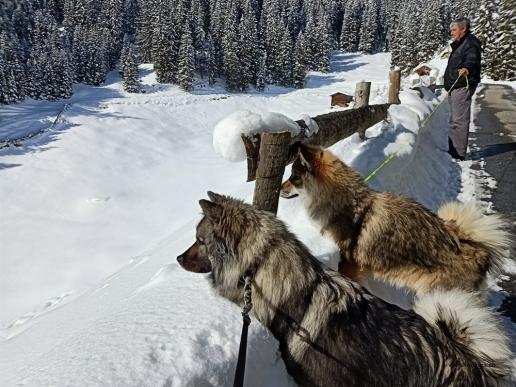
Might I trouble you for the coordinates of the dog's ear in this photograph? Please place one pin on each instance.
(304, 160)
(212, 211)
(293, 152)
(214, 197)
(310, 156)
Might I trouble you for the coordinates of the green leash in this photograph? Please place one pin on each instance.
(385, 162)
(391, 156)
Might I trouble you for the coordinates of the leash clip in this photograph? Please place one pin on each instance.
(248, 305)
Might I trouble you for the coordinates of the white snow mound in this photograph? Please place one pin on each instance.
(227, 134)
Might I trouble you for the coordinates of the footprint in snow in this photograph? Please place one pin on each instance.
(49, 305)
(96, 200)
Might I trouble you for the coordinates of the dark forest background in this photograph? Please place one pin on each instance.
(47, 45)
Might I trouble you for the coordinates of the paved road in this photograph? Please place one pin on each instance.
(496, 144)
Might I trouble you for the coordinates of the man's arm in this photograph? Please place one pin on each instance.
(471, 60)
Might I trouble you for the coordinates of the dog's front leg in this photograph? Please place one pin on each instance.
(347, 265)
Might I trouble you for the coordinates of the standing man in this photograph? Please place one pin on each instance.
(464, 64)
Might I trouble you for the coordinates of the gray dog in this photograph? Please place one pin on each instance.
(331, 331)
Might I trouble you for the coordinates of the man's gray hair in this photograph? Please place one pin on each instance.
(462, 23)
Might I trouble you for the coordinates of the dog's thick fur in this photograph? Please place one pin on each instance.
(331, 331)
(390, 237)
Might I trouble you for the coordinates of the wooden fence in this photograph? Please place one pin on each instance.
(269, 153)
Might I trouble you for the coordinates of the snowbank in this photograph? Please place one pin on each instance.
(227, 134)
(152, 323)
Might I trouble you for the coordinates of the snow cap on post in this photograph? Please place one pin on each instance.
(227, 134)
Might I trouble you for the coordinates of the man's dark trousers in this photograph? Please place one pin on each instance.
(460, 112)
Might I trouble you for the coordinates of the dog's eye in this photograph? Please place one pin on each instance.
(295, 180)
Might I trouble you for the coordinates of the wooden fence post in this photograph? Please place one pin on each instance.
(362, 91)
(273, 158)
(394, 86)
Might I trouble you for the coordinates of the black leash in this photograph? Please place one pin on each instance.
(240, 368)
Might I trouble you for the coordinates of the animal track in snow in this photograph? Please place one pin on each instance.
(101, 199)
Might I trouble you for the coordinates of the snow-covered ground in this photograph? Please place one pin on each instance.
(95, 211)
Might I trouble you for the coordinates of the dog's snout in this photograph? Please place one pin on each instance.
(180, 259)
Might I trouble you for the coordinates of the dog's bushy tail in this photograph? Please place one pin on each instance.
(475, 328)
(488, 230)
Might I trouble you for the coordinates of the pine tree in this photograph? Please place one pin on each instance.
(95, 68)
(295, 17)
(285, 63)
(196, 19)
(369, 30)
(300, 64)
(506, 41)
(69, 21)
(85, 12)
(248, 46)
(485, 28)
(501, 54)
(261, 73)
(12, 73)
(463, 8)
(432, 33)
(391, 22)
(165, 51)
(186, 61)
(131, 83)
(273, 31)
(130, 17)
(317, 45)
(78, 54)
(149, 28)
(408, 41)
(210, 61)
(60, 74)
(324, 45)
(219, 14)
(111, 19)
(231, 63)
(350, 34)
(127, 43)
(334, 11)
(49, 68)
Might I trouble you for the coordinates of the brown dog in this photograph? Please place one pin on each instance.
(390, 237)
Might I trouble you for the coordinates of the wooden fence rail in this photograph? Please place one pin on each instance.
(333, 127)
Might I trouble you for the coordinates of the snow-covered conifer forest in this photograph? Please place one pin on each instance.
(47, 45)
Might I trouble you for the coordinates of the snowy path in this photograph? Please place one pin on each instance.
(493, 150)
